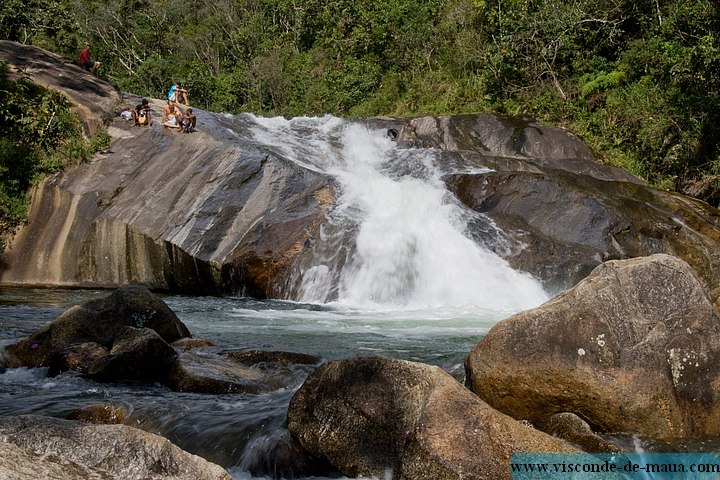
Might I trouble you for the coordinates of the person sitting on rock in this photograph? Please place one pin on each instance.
(176, 91)
(187, 124)
(171, 115)
(142, 114)
(86, 60)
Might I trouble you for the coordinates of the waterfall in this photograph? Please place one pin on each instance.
(396, 236)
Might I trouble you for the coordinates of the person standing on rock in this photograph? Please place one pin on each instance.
(86, 60)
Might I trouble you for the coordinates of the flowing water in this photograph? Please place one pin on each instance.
(398, 273)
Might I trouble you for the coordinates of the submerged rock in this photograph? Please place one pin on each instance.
(253, 357)
(369, 416)
(103, 413)
(45, 447)
(575, 430)
(211, 373)
(633, 348)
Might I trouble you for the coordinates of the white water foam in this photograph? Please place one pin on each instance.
(411, 249)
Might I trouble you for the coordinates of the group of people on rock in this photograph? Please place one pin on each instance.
(172, 115)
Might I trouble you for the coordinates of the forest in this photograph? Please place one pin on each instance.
(638, 81)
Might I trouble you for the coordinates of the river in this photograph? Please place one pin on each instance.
(398, 274)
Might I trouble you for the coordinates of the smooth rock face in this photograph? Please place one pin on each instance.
(209, 211)
(69, 450)
(196, 212)
(633, 348)
(369, 416)
(563, 224)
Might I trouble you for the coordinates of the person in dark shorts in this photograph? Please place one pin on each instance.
(86, 60)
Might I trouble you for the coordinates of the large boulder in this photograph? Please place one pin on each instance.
(51, 448)
(633, 348)
(369, 416)
(99, 321)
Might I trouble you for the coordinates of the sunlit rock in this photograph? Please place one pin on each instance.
(379, 416)
(45, 447)
(247, 371)
(633, 348)
(203, 372)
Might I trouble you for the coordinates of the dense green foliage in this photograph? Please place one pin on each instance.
(40, 135)
(638, 80)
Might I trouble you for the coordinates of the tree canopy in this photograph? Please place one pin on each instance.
(639, 81)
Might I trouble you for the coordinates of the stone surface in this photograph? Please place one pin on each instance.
(374, 416)
(633, 348)
(211, 373)
(45, 447)
(561, 224)
(77, 357)
(211, 211)
(575, 430)
(252, 357)
(137, 355)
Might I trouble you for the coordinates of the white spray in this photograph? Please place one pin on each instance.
(411, 250)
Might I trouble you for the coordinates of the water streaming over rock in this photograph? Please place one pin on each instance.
(396, 238)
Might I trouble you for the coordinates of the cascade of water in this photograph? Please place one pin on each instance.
(396, 237)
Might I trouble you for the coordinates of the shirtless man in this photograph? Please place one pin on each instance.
(171, 115)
